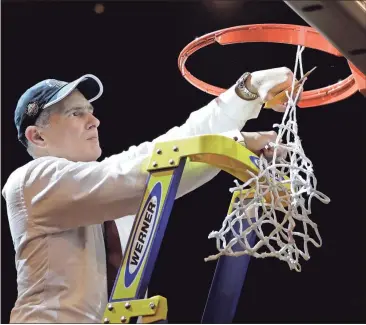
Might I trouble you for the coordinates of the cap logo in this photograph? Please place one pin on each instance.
(54, 83)
(32, 109)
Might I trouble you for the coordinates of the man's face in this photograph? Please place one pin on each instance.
(72, 132)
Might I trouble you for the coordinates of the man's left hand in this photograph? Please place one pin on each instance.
(258, 143)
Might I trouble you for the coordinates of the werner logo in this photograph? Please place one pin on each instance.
(143, 235)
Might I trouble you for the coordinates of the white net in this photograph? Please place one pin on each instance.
(277, 208)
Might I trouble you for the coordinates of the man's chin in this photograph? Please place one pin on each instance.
(96, 154)
(92, 155)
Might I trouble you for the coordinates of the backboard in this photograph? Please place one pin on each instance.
(342, 23)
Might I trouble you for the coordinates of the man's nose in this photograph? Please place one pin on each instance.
(93, 121)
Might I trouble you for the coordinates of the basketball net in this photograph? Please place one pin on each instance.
(277, 214)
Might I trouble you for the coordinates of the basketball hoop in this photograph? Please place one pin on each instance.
(277, 33)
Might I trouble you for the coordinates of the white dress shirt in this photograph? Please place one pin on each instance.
(56, 208)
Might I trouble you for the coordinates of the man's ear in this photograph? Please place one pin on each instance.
(34, 136)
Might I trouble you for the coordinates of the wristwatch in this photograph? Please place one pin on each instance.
(243, 91)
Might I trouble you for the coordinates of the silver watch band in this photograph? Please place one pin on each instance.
(242, 91)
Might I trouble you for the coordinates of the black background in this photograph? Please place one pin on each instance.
(133, 48)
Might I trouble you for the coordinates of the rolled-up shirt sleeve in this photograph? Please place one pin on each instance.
(61, 194)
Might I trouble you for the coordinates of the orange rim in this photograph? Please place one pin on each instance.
(277, 33)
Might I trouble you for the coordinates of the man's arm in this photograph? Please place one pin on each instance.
(227, 114)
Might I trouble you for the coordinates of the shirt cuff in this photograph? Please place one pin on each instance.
(235, 135)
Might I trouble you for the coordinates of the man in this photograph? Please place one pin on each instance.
(58, 202)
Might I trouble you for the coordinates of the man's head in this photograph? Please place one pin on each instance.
(55, 118)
